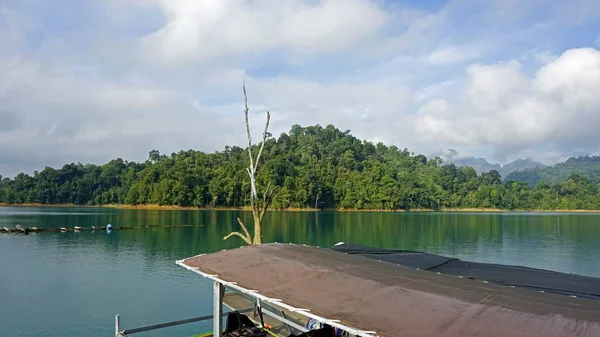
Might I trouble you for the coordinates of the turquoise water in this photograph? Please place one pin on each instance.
(72, 284)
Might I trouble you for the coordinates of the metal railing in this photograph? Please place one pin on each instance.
(127, 332)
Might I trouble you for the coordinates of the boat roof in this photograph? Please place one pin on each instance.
(366, 295)
(509, 275)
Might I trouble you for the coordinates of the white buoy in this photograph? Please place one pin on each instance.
(109, 227)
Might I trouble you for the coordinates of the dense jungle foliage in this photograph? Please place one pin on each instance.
(312, 166)
(585, 166)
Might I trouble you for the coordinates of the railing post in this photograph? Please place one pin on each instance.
(259, 312)
(117, 325)
(218, 293)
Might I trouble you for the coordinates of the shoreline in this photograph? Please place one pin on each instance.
(153, 207)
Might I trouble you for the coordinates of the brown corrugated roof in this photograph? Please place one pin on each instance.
(396, 300)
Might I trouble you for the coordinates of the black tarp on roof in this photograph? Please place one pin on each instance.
(522, 277)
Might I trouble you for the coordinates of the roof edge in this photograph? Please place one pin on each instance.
(276, 301)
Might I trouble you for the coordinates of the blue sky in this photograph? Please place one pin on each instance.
(91, 80)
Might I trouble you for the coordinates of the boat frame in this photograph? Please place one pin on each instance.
(417, 302)
(220, 288)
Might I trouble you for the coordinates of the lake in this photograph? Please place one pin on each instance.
(72, 284)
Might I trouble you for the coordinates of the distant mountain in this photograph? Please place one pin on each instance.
(585, 166)
(520, 165)
(481, 165)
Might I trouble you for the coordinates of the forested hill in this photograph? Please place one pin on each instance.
(313, 166)
(585, 166)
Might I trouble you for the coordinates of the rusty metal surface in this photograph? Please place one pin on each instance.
(396, 300)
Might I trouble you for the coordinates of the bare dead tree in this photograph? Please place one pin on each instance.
(259, 206)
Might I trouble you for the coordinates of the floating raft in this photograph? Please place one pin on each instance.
(26, 230)
(20, 229)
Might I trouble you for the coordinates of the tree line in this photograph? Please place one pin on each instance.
(312, 167)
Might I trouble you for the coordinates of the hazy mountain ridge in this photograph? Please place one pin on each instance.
(481, 165)
(585, 166)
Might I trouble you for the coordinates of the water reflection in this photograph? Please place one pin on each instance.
(74, 282)
(567, 242)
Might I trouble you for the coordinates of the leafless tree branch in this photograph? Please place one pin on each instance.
(264, 140)
(246, 110)
(248, 241)
(244, 228)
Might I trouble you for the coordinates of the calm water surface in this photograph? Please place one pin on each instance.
(71, 284)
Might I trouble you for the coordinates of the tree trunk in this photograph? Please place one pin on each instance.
(257, 229)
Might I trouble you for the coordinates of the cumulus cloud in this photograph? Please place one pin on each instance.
(304, 101)
(200, 30)
(56, 116)
(120, 78)
(504, 108)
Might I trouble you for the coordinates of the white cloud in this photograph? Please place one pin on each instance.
(573, 79)
(63, 116)
(208, 29)
(138, 75)
(435, 90)
(548, 157)
(14, 28)
(449, 55)
(545, 57)
(450, 155)
(504, 108)
(435, 122)
(370, 109)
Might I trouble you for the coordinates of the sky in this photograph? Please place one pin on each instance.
(92, 80)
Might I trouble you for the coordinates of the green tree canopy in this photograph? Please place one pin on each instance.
(311, 166)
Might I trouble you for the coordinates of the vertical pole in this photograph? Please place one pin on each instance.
(218, 293)
(117, 325)
(259, 311)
